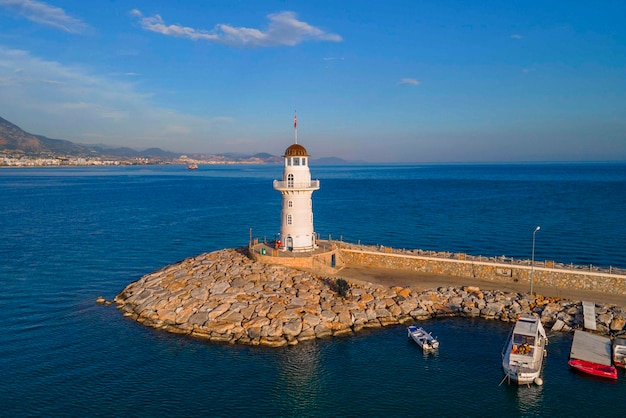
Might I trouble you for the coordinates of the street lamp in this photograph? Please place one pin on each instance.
(532, 261)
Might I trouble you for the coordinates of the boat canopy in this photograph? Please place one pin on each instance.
(529, 326)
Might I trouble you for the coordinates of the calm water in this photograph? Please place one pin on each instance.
(72, 234)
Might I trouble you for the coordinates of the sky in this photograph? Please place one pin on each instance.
(410, 81)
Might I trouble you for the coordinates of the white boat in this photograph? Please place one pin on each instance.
(422, 338)
(524, 352)
(619, 352)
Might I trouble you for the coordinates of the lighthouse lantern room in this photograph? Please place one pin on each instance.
(296, 227)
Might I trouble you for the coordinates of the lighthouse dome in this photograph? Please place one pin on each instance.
(296, 150)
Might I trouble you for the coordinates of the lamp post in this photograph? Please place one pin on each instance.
(532, 261)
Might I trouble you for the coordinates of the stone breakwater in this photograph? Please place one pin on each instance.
(224, 296)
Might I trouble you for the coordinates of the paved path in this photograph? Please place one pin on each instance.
(393, 277)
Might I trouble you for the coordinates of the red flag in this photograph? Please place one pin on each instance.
(295, 121)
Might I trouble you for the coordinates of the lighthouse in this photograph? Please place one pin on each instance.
(296, 187)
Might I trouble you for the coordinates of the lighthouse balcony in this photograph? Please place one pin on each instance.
(290, 185)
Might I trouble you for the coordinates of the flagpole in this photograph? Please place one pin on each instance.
(295, 126)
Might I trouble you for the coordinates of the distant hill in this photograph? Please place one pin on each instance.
(329, 161)
(14, 140)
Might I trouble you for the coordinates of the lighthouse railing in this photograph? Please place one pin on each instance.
(313, 184)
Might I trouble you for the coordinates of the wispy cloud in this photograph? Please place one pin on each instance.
(45, 14)
(284, 29)
(71, 102)
(409, 82)
(516, 36)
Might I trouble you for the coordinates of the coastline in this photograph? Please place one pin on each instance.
(224, 296)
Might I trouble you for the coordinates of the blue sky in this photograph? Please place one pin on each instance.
(380, 81)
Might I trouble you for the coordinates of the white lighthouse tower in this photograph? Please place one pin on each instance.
(296, 187)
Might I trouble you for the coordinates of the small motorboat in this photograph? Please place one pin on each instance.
(619, 352)
(192, 167)
(422, 338)
(595, 369)
(524, 351)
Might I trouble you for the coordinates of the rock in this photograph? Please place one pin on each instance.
(292, 327)
(366, 298)
(604, 318)
(274, 329)
(273, 341)
(219, 288)
(558, 325)
(218, 311)
(322, 331)
(307, 334)
(618, 323)
(232, 317)
(311, 320)
(200, 293)
(224, 296)
(275, 310)
(404, 293)
(257, 322)
(199, 318)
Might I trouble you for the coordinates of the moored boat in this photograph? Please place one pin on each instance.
(594, 369)
(619, 352)
(591, 354)
(192, 167)
(422, 338)
(524, 351)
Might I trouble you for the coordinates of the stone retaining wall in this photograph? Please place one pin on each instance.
(552, 277)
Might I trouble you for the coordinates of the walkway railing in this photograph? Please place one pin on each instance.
(268, 248)
(467, 257)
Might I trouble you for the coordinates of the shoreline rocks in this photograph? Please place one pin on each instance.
(224, 296)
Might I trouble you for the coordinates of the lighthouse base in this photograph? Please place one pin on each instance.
(323, 258)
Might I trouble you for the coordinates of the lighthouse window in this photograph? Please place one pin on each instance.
(304, 161)
(296, 161)
(289, 220)
(290, 180)
(290, 204)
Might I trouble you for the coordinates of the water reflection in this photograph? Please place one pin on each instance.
(528, 398)
(301, 375)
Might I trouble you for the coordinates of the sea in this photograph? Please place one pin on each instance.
(70, 235)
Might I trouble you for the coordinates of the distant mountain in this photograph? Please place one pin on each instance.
(129, 152)
(14, 139)
(329, 161)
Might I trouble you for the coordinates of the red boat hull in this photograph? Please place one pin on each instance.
(594, 369)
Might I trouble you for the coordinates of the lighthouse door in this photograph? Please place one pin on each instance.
(289, 243)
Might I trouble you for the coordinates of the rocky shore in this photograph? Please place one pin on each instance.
(224, 296)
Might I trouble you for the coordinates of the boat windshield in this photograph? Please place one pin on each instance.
(523, 339)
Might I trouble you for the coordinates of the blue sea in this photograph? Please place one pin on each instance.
(69, 235)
